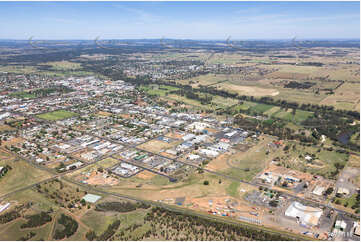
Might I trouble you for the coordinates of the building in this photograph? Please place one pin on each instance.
(356, 230)
(343, 191)
(4, 207)
(91, 198)
(209, 153)
(318, 190)
(340, 225)
(74, 165)
(305, 215)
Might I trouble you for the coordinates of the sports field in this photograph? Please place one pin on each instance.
(57, 115)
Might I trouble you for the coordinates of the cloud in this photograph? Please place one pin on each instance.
(141, 15)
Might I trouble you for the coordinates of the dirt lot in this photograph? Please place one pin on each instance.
(98, 178)
(106, 114)
(219, 163)
(157, 146)
(249, 90)
(174, 135)
(145, 175)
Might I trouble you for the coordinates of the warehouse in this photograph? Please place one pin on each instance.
(304, 214)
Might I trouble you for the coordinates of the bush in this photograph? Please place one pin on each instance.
(70, 227)
(36, 220)
(9, 216)
(110, 231)
(122, 207)
(206, 183)
(90, 235)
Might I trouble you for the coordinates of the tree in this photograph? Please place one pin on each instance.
(329, 191)
(206, 183)
(91, 235)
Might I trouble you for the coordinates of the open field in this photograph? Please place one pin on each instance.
(57, 115)
(108, 162)
(63, 65)
(249, 90)
(158, 90)
(158, 146)
(21, 175)
(345, 97)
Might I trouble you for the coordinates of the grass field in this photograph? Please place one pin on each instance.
(21, 175)
(324, 162)
(24, 95)
(158, 90)
(57, 115)
(260, 108)
(14, 232)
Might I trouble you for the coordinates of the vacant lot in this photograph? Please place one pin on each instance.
(21, 175)
(157, 146)
(57, 115)
(5, 127)
(346, 96)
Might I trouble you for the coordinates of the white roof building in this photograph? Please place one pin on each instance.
(193, 157)
(188, 137)
(343, 190)
(306, 215)
(318, 190)
(211, 153)
(340, 224)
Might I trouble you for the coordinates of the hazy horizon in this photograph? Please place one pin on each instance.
(179, 20)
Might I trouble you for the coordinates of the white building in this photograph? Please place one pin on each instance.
(304, 214)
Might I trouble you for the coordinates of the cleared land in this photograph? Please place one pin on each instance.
(21, 175)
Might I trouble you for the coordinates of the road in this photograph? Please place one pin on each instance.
(315, 203)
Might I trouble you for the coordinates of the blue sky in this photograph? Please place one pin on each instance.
(191, 20)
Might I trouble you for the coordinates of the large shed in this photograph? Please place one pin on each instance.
(306, 215)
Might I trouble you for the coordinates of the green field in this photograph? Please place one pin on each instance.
(24, 95)
(158, 90)
(57, 115)
(261, 108)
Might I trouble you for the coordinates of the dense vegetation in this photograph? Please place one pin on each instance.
(70, 227)
(36, 220)
(28, 236)
(299, 85)
(121, 207)
(9, 216)
(180, 226)
(43, 92)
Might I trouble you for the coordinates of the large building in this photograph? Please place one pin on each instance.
(308, 216)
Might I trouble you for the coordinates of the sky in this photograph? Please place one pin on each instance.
(179, 20)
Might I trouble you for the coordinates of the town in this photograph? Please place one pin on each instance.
(112, 136)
